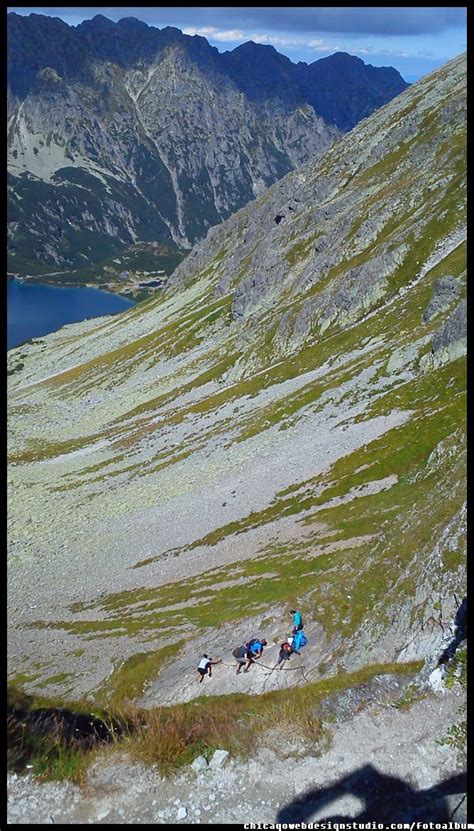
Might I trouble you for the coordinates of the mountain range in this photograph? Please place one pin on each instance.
(121, 134)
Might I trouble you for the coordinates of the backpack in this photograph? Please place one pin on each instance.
(299, 640)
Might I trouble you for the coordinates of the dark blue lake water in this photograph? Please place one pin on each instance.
(34, 309)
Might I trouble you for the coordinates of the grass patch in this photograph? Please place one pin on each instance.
(301, 249)
(409, 697)
(128, 680)
(384, 536)
(456, 735)
(55, 679)
(457, 670)
(171, 737)
(53, 739)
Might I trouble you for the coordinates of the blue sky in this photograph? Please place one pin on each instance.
(413, 39)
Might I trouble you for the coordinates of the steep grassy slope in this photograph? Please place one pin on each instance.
(284, 426)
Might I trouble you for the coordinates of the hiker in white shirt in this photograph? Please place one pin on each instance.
(204, 667)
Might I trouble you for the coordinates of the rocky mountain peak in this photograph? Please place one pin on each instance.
(360, 86)
(133, 23)
(99, 21)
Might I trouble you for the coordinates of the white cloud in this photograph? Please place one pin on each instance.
(369, 50)
(233, 35)
(275, 40)
(317, 44)
(230, 34)
(212, 33)
(327, 47)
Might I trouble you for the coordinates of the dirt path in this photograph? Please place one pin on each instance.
(383, 763)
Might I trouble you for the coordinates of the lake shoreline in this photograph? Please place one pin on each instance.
(36, 309)
(45, 280)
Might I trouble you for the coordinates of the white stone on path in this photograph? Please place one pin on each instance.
(199, 763)
(219, 759)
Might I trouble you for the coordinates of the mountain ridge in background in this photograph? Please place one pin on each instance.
(121, 134)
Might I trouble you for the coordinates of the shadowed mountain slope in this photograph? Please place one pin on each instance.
(284, 426)
(121, 133)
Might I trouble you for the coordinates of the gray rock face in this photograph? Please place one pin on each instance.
(453, 331)
(446, 291)
(306, 225)
(118, 134)
(359, 288)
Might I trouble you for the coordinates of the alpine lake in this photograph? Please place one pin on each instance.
(35, 309)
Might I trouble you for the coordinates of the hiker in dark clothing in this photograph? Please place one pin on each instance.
(240, 655)
(286, 651)
(204, 667)
(297, 621)
(254, 650)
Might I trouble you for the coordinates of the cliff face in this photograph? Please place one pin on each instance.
(284, 426)
(120, 132)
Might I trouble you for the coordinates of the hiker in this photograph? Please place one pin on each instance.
(297, 621)
(299, 640)
(254, 649)
(204, 667)
(286, 651)
(240, 655)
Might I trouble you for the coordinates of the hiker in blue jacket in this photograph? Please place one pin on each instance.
(299, 640)
(254, 650)
(297, 621)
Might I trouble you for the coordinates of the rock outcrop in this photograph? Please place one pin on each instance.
(446, 291)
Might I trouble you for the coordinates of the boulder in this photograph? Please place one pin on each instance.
(219, 759)
(446, 290)
(199, 763)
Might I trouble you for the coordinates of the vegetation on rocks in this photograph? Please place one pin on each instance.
(173, 736)
(456, 735)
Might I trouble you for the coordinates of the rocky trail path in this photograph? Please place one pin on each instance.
(383, 764)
